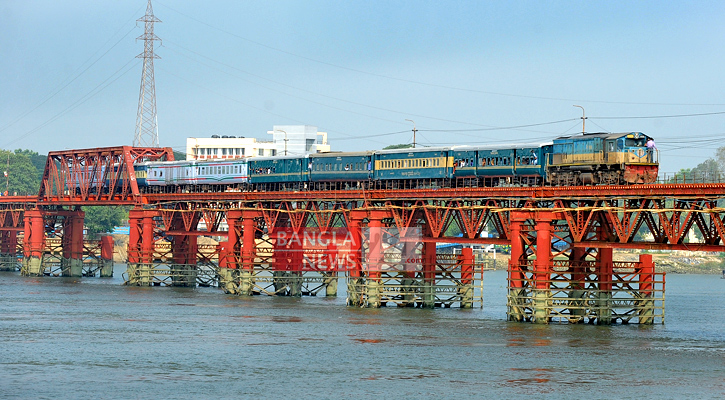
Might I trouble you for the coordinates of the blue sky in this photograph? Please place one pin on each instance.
(467, 72)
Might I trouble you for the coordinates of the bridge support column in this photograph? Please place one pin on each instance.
(141, 247)
(375, 259)
(516, 279)
(33, 243)
(228, 277)
(429, 264)
(466, 289)
(229, 254)
(329, 279)
(605, 275)
(407, 283)
(72, 262)
(295, 268)
(8, 250)
(577, 294)
(542, 272)
(107, 256)
(248, 253)
(646, 289)
(355, 280)
(183, 269)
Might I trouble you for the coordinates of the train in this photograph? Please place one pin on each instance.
(582, 159)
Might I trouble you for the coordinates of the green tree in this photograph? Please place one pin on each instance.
(179, 155)
(102, 219)
(22, 175)
(398, 146)
(38, 160)
(708, 171)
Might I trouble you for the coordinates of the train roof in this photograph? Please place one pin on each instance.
(508, 146)
(412, 150)
(267, 158)
(342, 154)
(603, 135)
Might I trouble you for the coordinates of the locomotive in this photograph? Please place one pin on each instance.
(582, 159)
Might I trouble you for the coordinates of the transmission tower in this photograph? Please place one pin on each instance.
(147, 131)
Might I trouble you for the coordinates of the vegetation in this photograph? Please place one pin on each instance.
(179, 155)
(21, 176)
(102, 219)
(708, 171)
(398, 146)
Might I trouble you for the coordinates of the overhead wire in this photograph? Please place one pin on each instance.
(69, 80)
(300, 56)
(89, 95)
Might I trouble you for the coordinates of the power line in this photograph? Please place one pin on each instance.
(78, 75)
(662, 116)
(99, 88)
(276, 49)
(404, 113)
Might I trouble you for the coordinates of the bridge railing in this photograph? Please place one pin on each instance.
(690, 177)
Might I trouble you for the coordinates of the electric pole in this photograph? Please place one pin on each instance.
(414, 131)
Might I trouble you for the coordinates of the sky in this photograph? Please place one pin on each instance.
(466, 72)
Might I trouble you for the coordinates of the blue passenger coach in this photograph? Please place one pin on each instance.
(412, 167)
(335, 168)
(279, 172)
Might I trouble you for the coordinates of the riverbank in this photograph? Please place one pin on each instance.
(671, 262)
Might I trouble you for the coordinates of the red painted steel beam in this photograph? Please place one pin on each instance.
(652, 246)
(680, 191)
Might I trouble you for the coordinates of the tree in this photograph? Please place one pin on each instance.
(38, 160)
(179, 155)
(102, 219)
(22, 175)
(398, 146)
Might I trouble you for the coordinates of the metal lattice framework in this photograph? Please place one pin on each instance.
(96, 176)
(147, 132)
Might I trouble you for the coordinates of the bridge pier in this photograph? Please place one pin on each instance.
(517, 293)
(374, 261)
(603, 298)
(467, 274)
(8, 250)
(646, 306)
(542, 271)
(355, 280)
(33, 243)
(106, 256)
(141, 247)
(561, 285)
(72, 242)
(577, 295)
(429, 264)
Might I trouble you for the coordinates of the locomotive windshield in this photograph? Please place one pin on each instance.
(634, 142)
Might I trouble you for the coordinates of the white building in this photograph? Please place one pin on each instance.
(299, 140)
(287, 139)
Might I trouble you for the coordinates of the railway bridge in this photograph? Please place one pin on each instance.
(381, 242)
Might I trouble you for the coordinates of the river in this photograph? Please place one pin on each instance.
(92, 338)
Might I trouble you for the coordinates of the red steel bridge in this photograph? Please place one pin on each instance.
(562, 266)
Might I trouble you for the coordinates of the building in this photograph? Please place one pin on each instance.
(227, 147)
(287, 139)
(299, 140)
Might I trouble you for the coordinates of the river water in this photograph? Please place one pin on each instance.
(92, 338)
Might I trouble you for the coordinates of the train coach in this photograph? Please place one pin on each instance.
(329, 171)
(583, 159)
(412, 168)
(192, 176)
